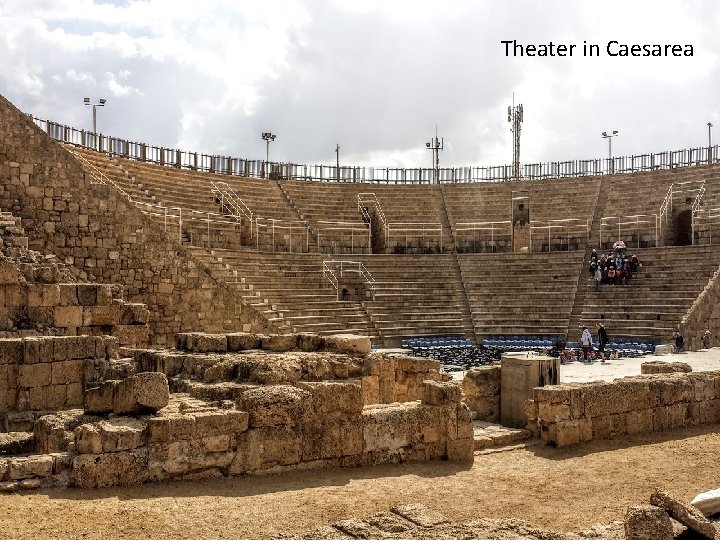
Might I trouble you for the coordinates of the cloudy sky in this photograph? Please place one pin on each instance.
(375, 76)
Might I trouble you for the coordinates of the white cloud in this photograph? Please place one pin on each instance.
(372, 75)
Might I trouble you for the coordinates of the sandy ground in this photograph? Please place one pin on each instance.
(563, 489)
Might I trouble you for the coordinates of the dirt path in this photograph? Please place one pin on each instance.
(562, 489)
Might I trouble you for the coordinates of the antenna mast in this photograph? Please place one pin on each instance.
(515, 117)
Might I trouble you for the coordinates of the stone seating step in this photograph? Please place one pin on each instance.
(488, 435)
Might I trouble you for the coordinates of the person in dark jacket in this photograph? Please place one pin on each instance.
(602, 340)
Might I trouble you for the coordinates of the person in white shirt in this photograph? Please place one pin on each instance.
(586, 341)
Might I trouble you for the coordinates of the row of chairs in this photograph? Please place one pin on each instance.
(447, 341)
(522, 343)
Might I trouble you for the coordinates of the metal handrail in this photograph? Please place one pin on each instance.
(583, 225)
(348, 226)
(363, 199)
(349, 266)
(227, 195)
(399, 227)
(273, 223)
(496, 228)
(623, 221)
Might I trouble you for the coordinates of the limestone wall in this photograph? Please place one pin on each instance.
(481, 387)
(568, 414)
(704, 314)
(274, 429)
(105, 239)
(43, 374)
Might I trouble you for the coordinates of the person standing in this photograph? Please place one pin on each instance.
(586, 341)
(602, 340)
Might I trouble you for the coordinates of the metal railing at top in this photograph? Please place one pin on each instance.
(573, 227)
(334, 270)
(388, 175)
(344, 227)
(274, 226)
(629, 225)
(414, 230)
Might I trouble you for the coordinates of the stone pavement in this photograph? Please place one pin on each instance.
(702, 360)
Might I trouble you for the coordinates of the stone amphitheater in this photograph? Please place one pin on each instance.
(205, 347)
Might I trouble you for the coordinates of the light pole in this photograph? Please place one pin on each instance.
(709, 125)
(611, 165)
(267, 137)
(337, 162)
(435, 145)
(100, 103)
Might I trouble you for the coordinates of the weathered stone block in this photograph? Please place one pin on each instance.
(141, 393)
(310, 342)
(647, 523)
(685, 513)
(122, 433)
(67, 372)
(334, 398)
(265, 447)
(460, 450)
(331, 438)
(99, 399)
(67, 316)
(658, 366)
(242, 341)
(40, 466)
(216, 423)
(34, 375)
(370, 385)
(87, 294)
(441, 393)
(276, 405)
(280, 342)
(348, 344)
(115, 469)
(11, 351)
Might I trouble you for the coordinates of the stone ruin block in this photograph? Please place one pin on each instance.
(55, 432)
(481, 387)
(138, 394)
(198, 425)
(112, 469)
(647, 523)
(310, 342)
(685, 513)
(132, 335)
(333, 399)
(348, 344)
(441, 393)
(708, 502)
(276, 405)
(242, 341)
(113, 435)
(331, 438)
(280, 342)
(200, 342)
(658, 366)
(267, 447)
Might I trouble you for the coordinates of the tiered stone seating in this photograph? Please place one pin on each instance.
(404, 208)
(564, 199)
(416, 295)
(289, 289)
(521, 293)
(638, 195)
(707, 223)
(192, 191)
(657, 297)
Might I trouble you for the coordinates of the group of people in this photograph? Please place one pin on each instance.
(615, 268)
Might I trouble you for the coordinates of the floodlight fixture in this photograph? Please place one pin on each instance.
(101, 103)
(611, 164)
(268, 138)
